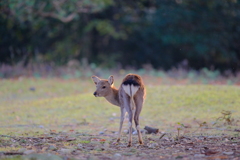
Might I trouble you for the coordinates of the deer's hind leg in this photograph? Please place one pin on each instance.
(130, 120)
(131, 112)
(139, 105)
(123, 113)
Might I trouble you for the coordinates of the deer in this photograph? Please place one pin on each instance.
(129, 97)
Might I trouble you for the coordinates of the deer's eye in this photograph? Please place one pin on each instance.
(104, 87)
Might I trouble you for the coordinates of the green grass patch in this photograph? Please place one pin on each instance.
(41, 105)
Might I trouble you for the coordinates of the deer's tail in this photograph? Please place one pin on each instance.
(131, 90)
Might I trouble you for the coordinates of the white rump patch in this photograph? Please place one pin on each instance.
(130, 89)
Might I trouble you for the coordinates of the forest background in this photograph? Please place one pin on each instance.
(162, 35)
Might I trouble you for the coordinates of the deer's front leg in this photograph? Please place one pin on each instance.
(123, 112)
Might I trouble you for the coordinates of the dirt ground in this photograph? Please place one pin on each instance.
(74, 145)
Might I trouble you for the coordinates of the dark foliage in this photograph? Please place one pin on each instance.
(162, 33)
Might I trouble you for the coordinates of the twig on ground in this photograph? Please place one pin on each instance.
(13, 153)
(162, 135)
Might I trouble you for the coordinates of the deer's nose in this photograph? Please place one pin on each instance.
(95, 94)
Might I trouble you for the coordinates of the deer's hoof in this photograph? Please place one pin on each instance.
(141, 143)
(129, 144)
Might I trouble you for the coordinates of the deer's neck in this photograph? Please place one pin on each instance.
(113, 97)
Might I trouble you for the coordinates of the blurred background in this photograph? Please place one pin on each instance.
(42, 36)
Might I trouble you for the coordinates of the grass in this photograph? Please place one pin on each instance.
(56, 109)
(40, 105)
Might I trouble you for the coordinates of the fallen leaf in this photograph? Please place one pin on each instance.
(28, 152)
(208, 152)
(228, 153)
(102, 140)
(98, 140)
(152, 145)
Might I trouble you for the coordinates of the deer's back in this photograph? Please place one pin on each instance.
(134, 79)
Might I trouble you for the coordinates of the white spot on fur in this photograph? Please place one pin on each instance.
(130, 89)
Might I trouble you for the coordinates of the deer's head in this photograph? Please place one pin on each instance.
(103, 86)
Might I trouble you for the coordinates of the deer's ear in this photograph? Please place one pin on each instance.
(110, 80)
(95, 79)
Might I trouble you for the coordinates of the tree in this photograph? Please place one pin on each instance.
(161, 33)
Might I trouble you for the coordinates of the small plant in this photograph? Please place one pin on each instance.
(179, 127)
(226, 117)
